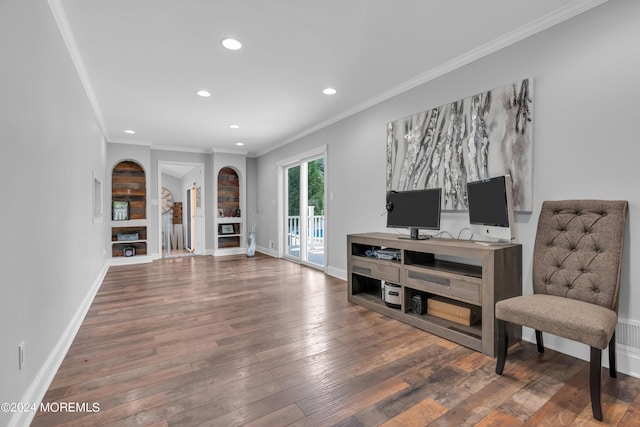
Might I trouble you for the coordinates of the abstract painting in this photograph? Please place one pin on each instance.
(482, 136)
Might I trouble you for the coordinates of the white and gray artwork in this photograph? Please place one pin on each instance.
(485, 135)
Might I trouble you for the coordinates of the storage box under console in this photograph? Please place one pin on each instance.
(455, 311)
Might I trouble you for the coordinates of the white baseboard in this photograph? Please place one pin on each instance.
(138, 259)
(38, 388)
(627, 358)
(628, 361)
(266, 251)
(230, 251)
(331, 271)
(337, 272)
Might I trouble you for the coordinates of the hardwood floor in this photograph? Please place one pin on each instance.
(264, 342)
(176, 253)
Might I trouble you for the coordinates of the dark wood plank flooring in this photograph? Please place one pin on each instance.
(204, 341)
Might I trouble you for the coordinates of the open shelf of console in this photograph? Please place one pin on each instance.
(457, 272)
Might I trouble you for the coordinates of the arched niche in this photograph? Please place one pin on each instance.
(228, 193)
(128, 184)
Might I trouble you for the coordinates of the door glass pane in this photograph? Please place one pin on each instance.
(293, 211)
(315, 212)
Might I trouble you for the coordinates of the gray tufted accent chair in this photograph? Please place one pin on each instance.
(577, 261)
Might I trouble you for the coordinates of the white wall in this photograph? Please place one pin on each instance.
(586, 86)
(53, 256)
(252, 186)
(174, 185)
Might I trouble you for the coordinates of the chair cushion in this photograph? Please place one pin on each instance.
(587, 323)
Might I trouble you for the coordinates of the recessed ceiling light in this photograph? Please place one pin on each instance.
(239, 144)
(130, 131)
(231, 44)
(329, 91)
(234, 126)
(203, 93)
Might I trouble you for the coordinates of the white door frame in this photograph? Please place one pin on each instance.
(201, 233)
(306, 156)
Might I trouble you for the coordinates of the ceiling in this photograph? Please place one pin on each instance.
(142, 61)
(176, 170)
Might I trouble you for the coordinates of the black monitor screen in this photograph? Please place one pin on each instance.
(488, 203)
(414, 209)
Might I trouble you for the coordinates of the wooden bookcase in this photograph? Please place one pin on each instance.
(456, 270)
(128, 184)
(229, 221)
(139, 244)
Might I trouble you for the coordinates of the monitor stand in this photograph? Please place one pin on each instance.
(414, 235)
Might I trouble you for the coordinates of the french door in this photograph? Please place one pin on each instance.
(305, 211)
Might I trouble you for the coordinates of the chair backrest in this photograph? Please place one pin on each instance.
(578, 250)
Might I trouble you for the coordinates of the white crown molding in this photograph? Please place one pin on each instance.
(227, 151)
(544, 22)
(199, 150)
(130, 142)
(183, 149)
(176, 148)
(69, 40)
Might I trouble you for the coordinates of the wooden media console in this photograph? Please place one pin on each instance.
(456, 271)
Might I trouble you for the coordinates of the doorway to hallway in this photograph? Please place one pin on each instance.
(181, 209)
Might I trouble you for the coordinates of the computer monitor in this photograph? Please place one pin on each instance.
(491, 208)
(415, 210)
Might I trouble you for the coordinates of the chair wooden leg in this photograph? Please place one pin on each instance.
(594, 382)
(503, 345)
(539, 341)
(613, 372)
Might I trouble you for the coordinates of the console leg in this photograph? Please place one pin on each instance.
(503, 345)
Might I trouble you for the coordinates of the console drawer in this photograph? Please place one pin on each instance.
(454, 287)
(373, 269)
